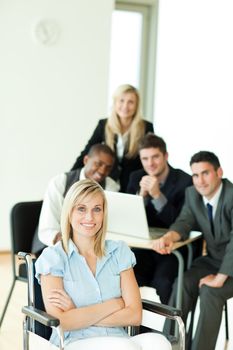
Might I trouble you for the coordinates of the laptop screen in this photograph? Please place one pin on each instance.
(126, 215)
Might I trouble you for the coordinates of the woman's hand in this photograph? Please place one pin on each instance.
(60, 299)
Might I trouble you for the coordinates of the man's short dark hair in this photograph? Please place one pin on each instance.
(151, 140)
(205, 156)
(100, 147)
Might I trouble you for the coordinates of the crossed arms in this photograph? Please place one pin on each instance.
(123, 311)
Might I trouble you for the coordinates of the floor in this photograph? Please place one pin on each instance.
(11, 330)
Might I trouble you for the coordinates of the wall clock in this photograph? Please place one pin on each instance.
(46, 32)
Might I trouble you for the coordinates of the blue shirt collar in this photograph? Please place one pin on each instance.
(110, 246)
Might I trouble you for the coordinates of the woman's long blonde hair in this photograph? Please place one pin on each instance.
(77, 192)
(113, 125)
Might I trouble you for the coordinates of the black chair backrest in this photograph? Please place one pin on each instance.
(40, 329)
(24, 220)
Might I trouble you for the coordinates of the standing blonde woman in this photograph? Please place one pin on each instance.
(121, 132)
(88, 282)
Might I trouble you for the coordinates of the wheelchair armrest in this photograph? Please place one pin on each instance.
(22, 255)
(151, 307)
(40, 316)
(161, 309)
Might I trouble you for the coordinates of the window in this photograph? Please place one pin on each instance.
(125, 48)
(130, 54)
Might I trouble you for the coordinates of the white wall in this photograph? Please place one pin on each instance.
(51, 97)
(194, 79)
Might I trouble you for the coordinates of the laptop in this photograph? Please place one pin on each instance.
(127, 220)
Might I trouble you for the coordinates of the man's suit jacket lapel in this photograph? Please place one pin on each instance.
(169, 184)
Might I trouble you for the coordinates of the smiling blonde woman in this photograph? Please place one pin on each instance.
(88, 282)
(121, 131)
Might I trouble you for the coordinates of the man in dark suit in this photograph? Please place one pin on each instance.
(208, 208)
(163, 189)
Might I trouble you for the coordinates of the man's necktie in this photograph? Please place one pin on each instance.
(210, 216)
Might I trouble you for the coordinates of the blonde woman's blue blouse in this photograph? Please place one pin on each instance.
(82, 286)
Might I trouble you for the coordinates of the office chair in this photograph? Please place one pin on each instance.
(37, 321)
(24, 218)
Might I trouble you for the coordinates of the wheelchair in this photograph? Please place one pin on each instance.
(37, 325)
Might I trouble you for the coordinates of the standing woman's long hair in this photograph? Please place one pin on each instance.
(137, 127)
(77, 192)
